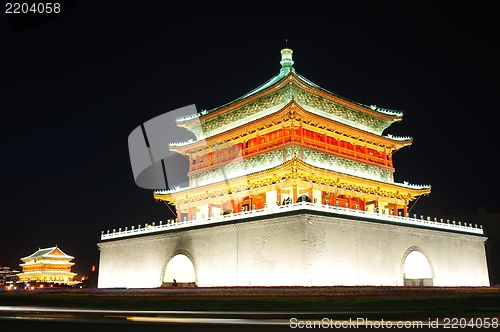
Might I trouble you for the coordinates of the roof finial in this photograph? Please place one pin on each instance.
(286, 60)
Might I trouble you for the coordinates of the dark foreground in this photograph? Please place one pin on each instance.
(249, 309)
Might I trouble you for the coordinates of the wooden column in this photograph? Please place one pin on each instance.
(211, 157)
(294, 193)
(405, 211)
(395, 208)
(278, 195)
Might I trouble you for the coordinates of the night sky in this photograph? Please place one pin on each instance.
(73, 88)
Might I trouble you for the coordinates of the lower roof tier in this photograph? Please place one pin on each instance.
(293, 172)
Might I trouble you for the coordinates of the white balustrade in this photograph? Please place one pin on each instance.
(330, 209)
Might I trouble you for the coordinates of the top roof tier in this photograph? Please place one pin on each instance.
(286, 87)
(53, 252)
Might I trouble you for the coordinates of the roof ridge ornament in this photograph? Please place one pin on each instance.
(286, 61)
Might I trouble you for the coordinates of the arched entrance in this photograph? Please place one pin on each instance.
(416, 268)
(180, 268)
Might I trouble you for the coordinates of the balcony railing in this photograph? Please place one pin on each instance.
(334, 210)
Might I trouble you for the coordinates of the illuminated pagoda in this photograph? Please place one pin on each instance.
(292, 185)
(286, 141)
(50, 265)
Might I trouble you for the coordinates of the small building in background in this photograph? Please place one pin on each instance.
(50, 265)
(7, 275)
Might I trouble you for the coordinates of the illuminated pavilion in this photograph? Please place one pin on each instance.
(293, 185)
(290, 140)
(50, 265)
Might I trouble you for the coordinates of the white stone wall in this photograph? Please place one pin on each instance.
(300, 249)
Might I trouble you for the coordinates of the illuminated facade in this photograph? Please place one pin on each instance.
(47, 265)
(293, 185)
(290, 140)
(7, 276)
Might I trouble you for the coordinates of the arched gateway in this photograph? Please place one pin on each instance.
(242, 221)
(179, 271)
(416, 268)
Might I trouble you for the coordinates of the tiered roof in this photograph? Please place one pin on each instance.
(276, 94)
(52, 253)
(290, 97)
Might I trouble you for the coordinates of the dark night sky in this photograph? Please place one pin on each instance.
(74, 87)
